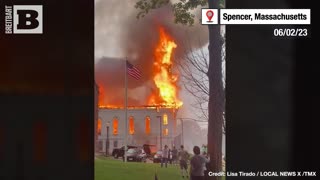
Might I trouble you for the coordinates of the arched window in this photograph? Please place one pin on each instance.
(99, 127)
(148, 125)
(131, 125)
(165, 119)
(166, 132)
(115, 125)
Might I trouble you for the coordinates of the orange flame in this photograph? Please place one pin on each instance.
(166, 94)
(165, 81)
(115, 126)
(99, 127)
(131, 125)
(101, 96)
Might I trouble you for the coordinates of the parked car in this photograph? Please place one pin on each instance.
(136, 154)
(119, 152)
(149, 149)
(157, 157)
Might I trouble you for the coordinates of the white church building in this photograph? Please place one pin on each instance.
(145, 125)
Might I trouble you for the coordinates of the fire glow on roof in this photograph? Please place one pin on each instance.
(138, 107)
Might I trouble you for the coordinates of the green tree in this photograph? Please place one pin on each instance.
(216, 102)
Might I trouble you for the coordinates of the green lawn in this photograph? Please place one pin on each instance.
(106, 169)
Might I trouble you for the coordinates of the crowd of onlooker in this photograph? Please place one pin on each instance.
(198, 162)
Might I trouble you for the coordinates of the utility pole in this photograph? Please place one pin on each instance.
(107, 141)
(126, 111)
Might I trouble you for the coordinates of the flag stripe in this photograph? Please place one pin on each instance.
(134, 76)
(136, 70)
(133, 71)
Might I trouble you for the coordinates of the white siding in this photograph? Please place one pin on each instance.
(139, 137)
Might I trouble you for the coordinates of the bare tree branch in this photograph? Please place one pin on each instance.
(193, 70)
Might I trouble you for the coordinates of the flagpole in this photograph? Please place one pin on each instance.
(126, 111)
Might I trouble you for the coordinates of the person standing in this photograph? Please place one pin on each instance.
(174, 155)
(170, 156)
(198, 165)
(165, 155)
(183, 159)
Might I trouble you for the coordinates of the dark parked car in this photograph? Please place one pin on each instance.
(149, 149)
(157, 157)
(136, 154)
(119, 152)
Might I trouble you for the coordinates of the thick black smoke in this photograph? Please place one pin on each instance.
(118, 28)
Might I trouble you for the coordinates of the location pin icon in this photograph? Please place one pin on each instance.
(209, 14)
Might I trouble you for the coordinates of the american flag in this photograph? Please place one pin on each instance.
(133, 71)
